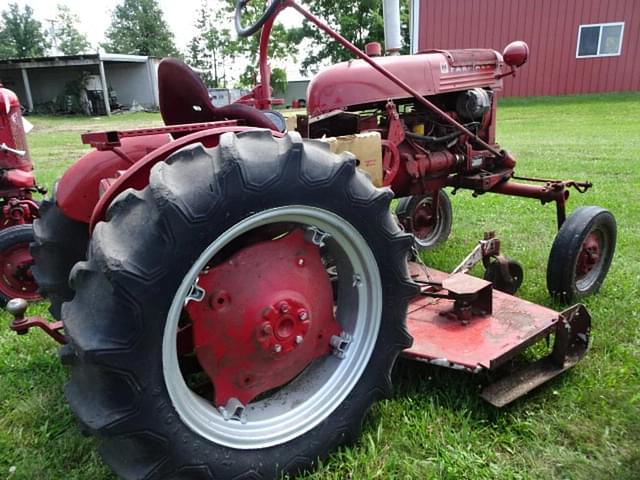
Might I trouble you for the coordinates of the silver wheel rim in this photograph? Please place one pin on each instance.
(322, 387)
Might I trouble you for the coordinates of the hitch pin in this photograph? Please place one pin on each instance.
(5, 148)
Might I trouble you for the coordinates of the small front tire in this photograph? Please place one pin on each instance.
(418, 217)
(493, 274)
(581, 254)
(16, 278)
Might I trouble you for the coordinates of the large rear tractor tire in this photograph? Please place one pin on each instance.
(208, 339)
(59, 242)
(16, 278)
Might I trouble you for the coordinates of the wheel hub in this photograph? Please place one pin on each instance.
(17, 280)
(286, 323)
(424, 220)
(262, 316)
(589, 255)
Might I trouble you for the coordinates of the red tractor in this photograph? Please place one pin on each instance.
(232, 297)
(18, 209)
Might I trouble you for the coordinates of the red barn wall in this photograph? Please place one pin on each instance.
(550, 27)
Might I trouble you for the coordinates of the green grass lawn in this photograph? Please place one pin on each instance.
(584, 425)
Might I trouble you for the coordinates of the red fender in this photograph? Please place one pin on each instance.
(137, 176)
(19, 178)
(78, 189)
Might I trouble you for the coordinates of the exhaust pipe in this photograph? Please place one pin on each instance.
(392, 35)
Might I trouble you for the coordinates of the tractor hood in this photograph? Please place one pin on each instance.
(355, 82)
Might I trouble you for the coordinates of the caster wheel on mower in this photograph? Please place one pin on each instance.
(429, 228)
(16, 278)
(59, 242)
(494, 274)
(204, 328)
(581, 254)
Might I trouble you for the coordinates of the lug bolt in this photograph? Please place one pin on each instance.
(284, 308)
(277, 348)
(299, 339)
(303, 315)
(266, 329)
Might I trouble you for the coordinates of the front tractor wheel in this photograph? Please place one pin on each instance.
(581, 254)
(16, 278)
(231, 320)
(430, 226)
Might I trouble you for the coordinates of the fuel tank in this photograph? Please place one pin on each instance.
(355, 83)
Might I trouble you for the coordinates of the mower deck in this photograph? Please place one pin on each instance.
(487, 341)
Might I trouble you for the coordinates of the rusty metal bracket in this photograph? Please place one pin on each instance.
(571, 344)
(553, 184)
(483, 251)
(21, 324)
(473, 297)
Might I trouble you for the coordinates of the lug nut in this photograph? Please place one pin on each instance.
(303, 315)
(299, 339)
(284, 308)
(277, 348)
(301, 262)
(266, 329)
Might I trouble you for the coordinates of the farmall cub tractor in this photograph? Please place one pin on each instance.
(232, 297)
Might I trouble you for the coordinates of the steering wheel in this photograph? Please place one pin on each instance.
(251, 29)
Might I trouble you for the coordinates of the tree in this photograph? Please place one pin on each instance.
(67, 37)
(282, 45)
(21, 35)
(138, 27)
(213, 49)
(359, 21)
(279, 81)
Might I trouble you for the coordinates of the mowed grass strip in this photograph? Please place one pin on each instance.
(582, 425)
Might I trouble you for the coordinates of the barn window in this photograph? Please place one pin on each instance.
(600, 40)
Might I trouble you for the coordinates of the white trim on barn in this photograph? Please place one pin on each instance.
(414, 25)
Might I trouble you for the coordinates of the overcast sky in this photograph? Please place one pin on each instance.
(95, 18)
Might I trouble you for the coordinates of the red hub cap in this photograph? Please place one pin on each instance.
(589, 255)
(266, 314)
(424, 220)
(17, 279)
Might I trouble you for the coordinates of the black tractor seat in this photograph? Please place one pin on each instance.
(184, 99)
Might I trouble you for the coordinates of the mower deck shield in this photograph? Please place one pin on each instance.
(486, 342)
